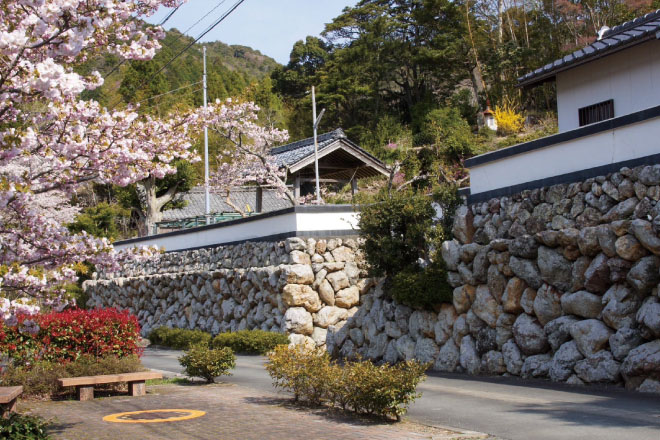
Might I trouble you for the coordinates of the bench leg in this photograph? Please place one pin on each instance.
(85, 392)
(8, 408)
(137, 388)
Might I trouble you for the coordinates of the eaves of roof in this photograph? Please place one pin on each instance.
(298, 153)
(620, 37)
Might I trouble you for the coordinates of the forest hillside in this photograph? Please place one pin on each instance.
(408, 80)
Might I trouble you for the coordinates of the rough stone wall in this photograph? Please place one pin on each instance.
(296, 286)
(558, 282)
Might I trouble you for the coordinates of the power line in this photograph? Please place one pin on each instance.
(206, 31)
(156, 104)
(205, 15)
(169, 16)
(169, 92)
(183, 34)
(199, 37)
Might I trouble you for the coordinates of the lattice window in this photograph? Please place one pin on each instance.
(596, 112)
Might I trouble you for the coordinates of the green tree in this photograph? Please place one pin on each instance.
(101, 220)
(402, 234)
(294, 81)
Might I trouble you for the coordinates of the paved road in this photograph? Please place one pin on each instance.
(213, 412)
(504, 407)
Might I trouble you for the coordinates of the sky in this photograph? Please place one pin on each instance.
(270, 26)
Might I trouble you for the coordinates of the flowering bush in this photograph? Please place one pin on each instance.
(53, 142)
(508, 120)
(65, 336)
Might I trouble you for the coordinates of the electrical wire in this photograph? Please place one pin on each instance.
(205, 15)
(206, 31)
(169, 92)
(199, 37)
(169, 16)
(156, 104)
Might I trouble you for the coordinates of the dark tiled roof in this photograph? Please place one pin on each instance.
(240, 196)
(628, 33)
(292, 153)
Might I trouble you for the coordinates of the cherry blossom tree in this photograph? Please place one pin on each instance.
(247, 160)
(52, 141)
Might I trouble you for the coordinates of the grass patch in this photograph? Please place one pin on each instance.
(170, 381)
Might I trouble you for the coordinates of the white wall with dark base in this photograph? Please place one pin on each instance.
(290, 222)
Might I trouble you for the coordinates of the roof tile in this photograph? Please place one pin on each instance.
(196, 202)
(628, 32)
(290, 154)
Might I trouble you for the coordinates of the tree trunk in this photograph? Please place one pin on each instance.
(500, 13)
(150, 205)
(478, 91)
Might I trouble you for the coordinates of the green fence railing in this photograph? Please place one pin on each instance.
(201, 220)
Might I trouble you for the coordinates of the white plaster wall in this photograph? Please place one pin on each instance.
(630, 77)
(253, 229)
(629, 142)
(330, 221)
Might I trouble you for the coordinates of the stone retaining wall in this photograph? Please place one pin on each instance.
(296, 286)
(558, 283)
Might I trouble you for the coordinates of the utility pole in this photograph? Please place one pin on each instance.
(316, 145)
(207, 199)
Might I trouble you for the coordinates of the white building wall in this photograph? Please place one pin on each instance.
(612, 146)
(630, 77)
(254, 228)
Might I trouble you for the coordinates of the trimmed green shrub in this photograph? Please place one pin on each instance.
(397, 231)
(304, 372)
(41, 377)
(383, 390)
(201, 361)
(422, 287)
(178, 338)
(250, 341)
(401, 231)
(360, 386)
(24, 427)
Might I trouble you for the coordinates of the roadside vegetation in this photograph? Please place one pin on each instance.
(23, 427)
(358, 386)
(43, 347)
(201, 361)
(243, 341)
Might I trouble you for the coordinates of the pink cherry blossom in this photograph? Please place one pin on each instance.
(52, 142)
(247, 158)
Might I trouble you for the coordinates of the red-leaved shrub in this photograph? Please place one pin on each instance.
(65, 336)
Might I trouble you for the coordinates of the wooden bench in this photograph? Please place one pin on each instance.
(85, 384)
(8, 398)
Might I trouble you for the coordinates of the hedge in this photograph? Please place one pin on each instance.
(250, 341)
(244, 341)
(65, 336)
(178, 338)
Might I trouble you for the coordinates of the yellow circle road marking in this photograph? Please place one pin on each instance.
(125, 417)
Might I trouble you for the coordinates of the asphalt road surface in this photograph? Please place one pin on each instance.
(504, 407)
